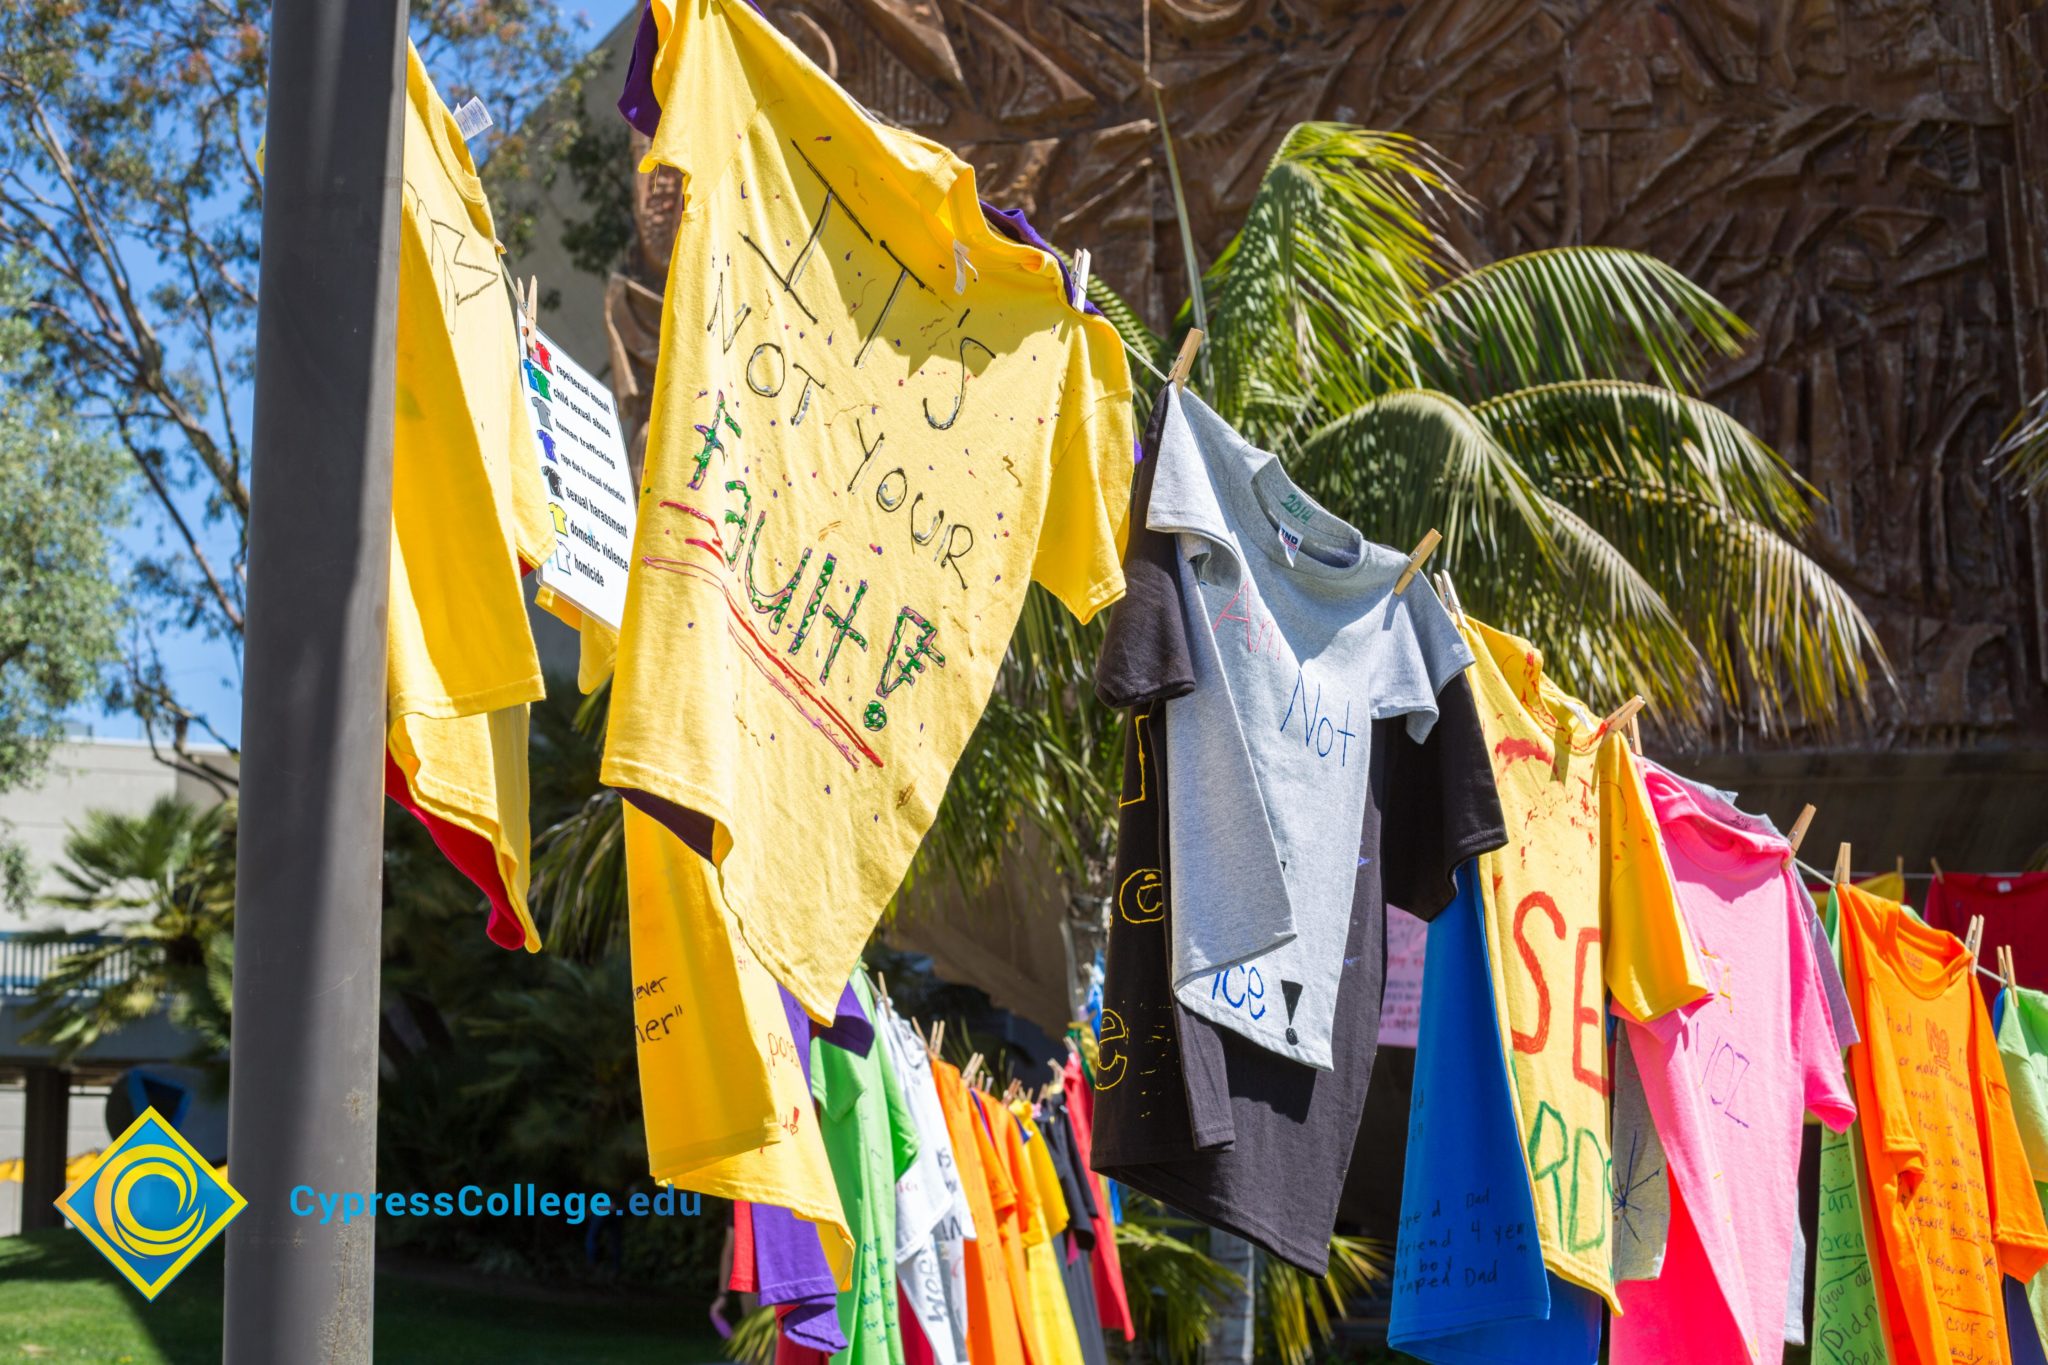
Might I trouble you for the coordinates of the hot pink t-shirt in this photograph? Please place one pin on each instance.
(1729, 1080)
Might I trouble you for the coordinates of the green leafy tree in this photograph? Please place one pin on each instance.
(166, 880)
(130, 192)
(60, 495)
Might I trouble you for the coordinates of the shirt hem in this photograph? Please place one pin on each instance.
(1580, 1276)
(443, 706)
(1313, 1258)
(672, 1165)
(1417, 1338)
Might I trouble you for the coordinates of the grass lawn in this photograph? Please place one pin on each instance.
(60, 1301)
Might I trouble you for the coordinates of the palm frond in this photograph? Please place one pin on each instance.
(1405, 461)
(1174, 1287)
(2022, 449)
(1605, 630)
(579, 878)
(1783, 640)
(1336, 250)
(1298, 1312)
(1634, 432)
(1571, 313)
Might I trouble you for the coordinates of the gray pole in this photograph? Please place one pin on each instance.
(303, 1109)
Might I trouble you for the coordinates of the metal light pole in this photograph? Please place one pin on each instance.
(303, 1110)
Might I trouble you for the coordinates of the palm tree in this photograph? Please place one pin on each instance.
(176, 862)
(1544, 411)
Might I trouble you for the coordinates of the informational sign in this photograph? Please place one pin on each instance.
(582, 458)
(1401, 1006)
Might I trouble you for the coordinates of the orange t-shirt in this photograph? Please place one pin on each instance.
(1001, 1154)
(993, 1333)
(1952, 1194)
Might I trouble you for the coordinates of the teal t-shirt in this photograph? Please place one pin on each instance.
(871, 1141)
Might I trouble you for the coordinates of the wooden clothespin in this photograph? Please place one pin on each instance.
(1842, 865)
(882, 992)
(1899, 867)
(1184, 363)
(1448, 591)
(1624, 714)
(1798, 834)
(529, 306)
(1973, 936)
(1427, 547)
(1012, 1091)
(971, 1070)
(2004, 959)
(1935, 863)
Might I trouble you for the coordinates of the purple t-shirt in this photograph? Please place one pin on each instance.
(789, 1262)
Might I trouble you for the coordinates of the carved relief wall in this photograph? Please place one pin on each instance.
(1866, 183)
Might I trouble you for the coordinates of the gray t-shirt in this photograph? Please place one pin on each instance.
(1299, 643)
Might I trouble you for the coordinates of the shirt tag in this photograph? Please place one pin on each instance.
(2004, 887)
(471, 118)
(1289, 542)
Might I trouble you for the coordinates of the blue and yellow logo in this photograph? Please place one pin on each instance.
(151, 1203)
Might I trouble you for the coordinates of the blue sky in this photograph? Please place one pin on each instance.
(204, 673)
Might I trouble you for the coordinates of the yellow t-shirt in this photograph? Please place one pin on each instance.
(466, 505)
(863, 447)
(722, 1088)
(1579, 903)
(1038, 1187)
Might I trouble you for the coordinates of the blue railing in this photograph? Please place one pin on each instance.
(26, 959)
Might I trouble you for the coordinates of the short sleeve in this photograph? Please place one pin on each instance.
(1030, 1211)
(699, 71)
(1441, 806)
(1440, 654)
(1145, 655)
(2017, 1224)
(835, 1083)
(1824, 1087)
(903, 1145)
(1045, 1178)
(1002, 1193)
(1839, 1013)
(1651, 963)
(1087, 503)
(1897, 1156)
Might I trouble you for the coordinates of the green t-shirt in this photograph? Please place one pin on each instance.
(1847, 1327)
(2023, 1044)
(871, 1141)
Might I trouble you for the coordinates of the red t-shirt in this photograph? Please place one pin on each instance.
(2015, 911)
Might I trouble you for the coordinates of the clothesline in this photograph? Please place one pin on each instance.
(1829, 877)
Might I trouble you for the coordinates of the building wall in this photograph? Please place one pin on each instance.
(86, 775)
(1867, 184)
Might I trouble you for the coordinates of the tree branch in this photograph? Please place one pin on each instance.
(163, 495)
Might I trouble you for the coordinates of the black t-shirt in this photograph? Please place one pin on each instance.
(1197, 1116)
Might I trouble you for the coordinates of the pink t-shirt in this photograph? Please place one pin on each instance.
(1729, 1080)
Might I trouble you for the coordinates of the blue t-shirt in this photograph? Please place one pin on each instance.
(1469, 1282)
